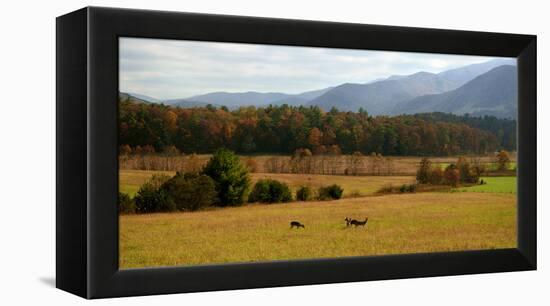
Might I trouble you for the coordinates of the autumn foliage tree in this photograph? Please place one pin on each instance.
(282, 129)
(503, 160)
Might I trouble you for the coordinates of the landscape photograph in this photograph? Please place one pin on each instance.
(238, 153)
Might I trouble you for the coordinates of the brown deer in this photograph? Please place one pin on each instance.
(297, 224)
(359, 223)
(348, 221)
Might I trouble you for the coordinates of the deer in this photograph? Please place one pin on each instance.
(348, 221)
(297, 224)
(359, 223)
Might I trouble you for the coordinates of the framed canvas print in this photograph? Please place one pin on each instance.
(204, 152)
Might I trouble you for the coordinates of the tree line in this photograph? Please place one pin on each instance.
(223, 182)
(284, 129)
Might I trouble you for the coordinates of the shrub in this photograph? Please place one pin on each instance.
(304, 193)
(503, 160)
(230, 176)
(124, 150)
(270, 191)
(452, 175)
(151, 198)
(436, 175)
(332, 192)
(125, 204)
(467, 173)
(423, 173)
(388, 188)
(189, 191)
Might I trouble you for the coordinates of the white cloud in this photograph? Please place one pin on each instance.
(175, 69)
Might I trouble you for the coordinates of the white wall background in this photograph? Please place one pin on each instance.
(27, 152)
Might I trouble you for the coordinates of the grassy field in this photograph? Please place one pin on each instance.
(131, 180)
(400, 165)
(409, 223)
(506, 184)
(490, 166)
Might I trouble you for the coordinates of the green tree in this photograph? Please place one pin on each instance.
(230, 175)
(150, 196)
(304, 193)
(190, 191)
(270, 191)
(125, 204)
(332, 192)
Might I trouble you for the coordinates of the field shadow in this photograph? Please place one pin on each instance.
(48, 281)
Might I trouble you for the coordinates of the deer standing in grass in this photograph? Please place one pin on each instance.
(348, 221)
(297, 224)
(358, 223)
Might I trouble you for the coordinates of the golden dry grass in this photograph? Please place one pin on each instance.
(409, 223)
(400, 165)
(131, 180)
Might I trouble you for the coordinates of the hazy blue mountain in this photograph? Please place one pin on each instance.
(492, 93)
(310, 95)
(131, 97)
(380, 97)
(292, 101)
(236, 99)
(232, 100)
(145, 98)
(184, 103)
(461, 76)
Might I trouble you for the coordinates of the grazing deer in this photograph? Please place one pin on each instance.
(359, 223)
(297, 224)
(348, 221)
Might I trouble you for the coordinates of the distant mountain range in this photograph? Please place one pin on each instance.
(492, 93)
(488, 88)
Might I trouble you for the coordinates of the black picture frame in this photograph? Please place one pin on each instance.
(87, 165)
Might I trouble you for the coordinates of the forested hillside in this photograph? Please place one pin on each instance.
(283, 129)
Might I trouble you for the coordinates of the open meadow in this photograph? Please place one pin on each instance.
(409, 223)
(131, 180)
(465, 218)
(213, 172)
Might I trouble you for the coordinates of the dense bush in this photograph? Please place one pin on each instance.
(304, 193)
(125, 204)
(463, 171)
(230, 175)
(151, 197)
(467, 173)
(423, 172)
(189, 191)
(407, 188)
(332, 192)
(436, 175)
(398, 189)
(270, 191)
(452, 175)
(503, 160)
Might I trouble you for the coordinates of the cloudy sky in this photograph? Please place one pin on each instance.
(169, 69)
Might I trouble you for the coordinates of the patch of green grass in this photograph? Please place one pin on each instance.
(398, 224)
(502, 184)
